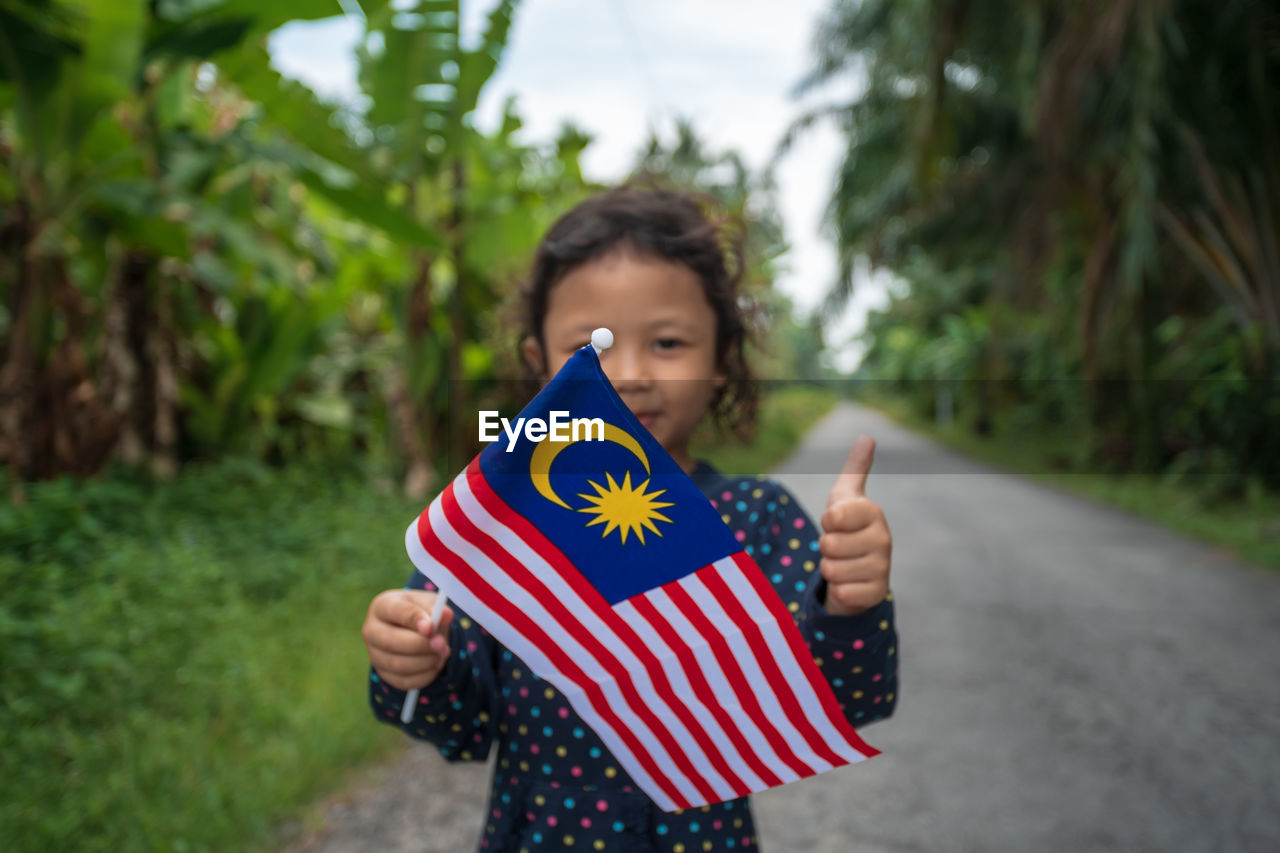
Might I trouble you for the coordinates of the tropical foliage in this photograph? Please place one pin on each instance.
(1083, 202)
(198, 256)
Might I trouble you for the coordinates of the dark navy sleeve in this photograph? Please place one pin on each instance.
(858, 654)
(458, 710)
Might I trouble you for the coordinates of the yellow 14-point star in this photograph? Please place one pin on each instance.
(625, 508)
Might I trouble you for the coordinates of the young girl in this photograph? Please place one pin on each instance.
(649, 266)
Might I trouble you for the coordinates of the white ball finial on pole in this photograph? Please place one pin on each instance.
(601, 340)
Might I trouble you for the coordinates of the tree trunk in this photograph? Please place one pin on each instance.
(1097, 271)
(82, 430)
(17, 375)
(163, 350)
(458, 396)
(1144, 401)
(412, 428)
(52, 418)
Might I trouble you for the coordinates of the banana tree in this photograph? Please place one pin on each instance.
(61, 68)
(422, 86)
(402, 166)
(179, 236)
(114, 167)
(463, 207)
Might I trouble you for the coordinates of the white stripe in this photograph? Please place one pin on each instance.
(761, 686)
(719, 684)
(435, 572)
(683, 689)
(809, 701)
(518, 596)
(601, 631)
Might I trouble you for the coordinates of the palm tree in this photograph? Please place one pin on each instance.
(1064, 160)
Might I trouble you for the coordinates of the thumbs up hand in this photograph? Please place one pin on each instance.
(855, 544)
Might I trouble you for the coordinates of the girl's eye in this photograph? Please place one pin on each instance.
(668, 343)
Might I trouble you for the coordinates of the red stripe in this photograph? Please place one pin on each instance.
(524, 528)
(477, 586)
(803, 656)
(650, 613)
(424, 520)
(729, 600)
(571, 625)
(737, 678)
(544, 548)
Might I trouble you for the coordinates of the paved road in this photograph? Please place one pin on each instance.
(1072, 679)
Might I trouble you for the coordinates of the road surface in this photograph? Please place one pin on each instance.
(1072, 678)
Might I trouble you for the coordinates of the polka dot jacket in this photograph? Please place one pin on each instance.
(555, 785)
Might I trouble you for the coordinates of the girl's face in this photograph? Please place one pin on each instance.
(662, 362)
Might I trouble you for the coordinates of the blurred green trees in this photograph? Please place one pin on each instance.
(1083, 200)
(198, 256)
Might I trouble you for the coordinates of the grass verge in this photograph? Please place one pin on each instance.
(1249, 528)
(182, 663)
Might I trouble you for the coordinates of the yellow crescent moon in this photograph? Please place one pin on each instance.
(545, 453)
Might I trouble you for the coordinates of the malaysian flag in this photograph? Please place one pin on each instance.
(599, 563)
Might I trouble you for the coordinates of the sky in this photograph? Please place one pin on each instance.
(617, 68)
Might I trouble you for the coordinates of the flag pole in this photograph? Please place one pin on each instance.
(601, 340)
(411, 698)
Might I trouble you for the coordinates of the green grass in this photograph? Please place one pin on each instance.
(181, 665)
(786, 414)
(1249, 527)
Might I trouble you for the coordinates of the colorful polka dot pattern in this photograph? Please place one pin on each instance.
(556, 787)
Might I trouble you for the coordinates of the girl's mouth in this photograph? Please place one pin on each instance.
(646, 418)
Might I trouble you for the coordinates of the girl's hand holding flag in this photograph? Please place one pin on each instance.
(856, 546)
(407, 646)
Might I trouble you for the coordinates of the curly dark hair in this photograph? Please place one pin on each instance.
(670, 225)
